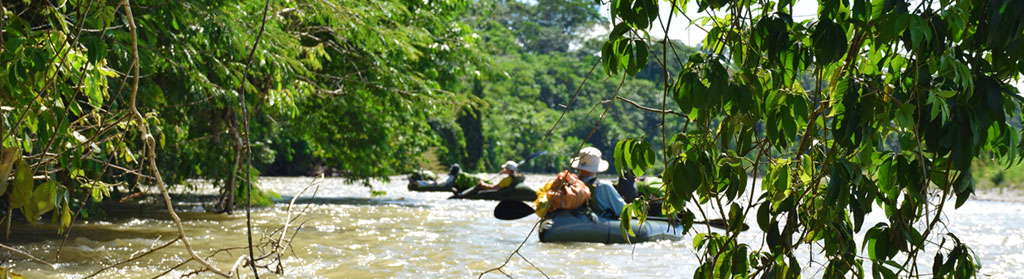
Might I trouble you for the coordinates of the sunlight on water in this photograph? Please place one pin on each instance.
(346, 233)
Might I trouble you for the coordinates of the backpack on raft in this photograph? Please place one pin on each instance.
(564, 192)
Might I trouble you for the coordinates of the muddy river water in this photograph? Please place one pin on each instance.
(349, 234)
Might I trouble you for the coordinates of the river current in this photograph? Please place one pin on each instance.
(346, 233)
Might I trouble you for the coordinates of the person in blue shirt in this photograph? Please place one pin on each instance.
(605, 201)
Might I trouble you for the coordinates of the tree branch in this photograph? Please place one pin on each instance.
(641, 107)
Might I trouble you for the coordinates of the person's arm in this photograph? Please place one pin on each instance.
(503, 183)
(484, 185)
(608, 200)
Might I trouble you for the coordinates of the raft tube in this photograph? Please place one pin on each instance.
(430, 186)
(584, 226)
(520, 192)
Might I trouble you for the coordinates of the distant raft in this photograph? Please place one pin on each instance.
(519, 192)
(430, 186)
(584, 226)
(426, 183)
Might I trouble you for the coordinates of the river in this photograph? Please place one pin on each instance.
(349, 234)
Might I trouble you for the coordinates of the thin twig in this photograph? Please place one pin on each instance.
(150, 145)
(641, 107)
(27, 255)
(571, 100)
(133, 258)
(288, 221)
(248, 154)
(514, 252)
(600, 119)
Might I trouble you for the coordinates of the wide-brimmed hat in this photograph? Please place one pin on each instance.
(590, 160)
(510, 165)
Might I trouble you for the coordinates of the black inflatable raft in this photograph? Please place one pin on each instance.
(519, 192)
(584, 226)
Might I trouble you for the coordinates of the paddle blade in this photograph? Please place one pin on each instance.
(512, 210)
(534, 155)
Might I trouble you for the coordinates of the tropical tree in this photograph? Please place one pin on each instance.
(526, 90)
(903, 97)
(346, 86)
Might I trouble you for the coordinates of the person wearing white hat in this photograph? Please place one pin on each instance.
(509, 169)
(605, 200)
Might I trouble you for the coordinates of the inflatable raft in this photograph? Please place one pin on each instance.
(519, 192)
(584, 226)
(430, 186)
(427, 183)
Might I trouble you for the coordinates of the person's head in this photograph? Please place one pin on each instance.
(454, 169)
(509, 167)
(589, 162)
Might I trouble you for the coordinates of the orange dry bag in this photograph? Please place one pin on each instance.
(564, 192)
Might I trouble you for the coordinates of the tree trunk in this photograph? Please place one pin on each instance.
(227, 199)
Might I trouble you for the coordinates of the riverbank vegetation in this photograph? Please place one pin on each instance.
(992, 175)
(102, 103)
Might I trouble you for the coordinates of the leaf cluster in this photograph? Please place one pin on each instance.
(903, 96)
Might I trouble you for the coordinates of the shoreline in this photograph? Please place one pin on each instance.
(1013, 195)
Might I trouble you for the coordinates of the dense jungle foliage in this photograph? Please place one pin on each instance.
(870, 103)
(331, 81)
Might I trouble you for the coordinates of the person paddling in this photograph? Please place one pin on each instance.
(511, 177)
(427, 179)
(605, 201)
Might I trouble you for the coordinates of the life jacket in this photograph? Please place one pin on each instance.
(566, 191)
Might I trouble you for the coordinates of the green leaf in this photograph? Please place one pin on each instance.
(44, 196)
(885, 177)
(65, 217)
(620, 155)
(764, 216)
(878, 245)
(829, 42)
(93, 86)
(641, 54)
(624, 222)
(699, 240)
(888, 27)
(882, 272)
(639, 157)
(687, 220)
(640, 211)
(687, 86)
(740, 265)
(944, 93)
(735, 217)
(8, 157)
(920, 32)
(21, 192)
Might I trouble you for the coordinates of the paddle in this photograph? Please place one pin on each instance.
(534, 155)
(512, 210)
(520, 163)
